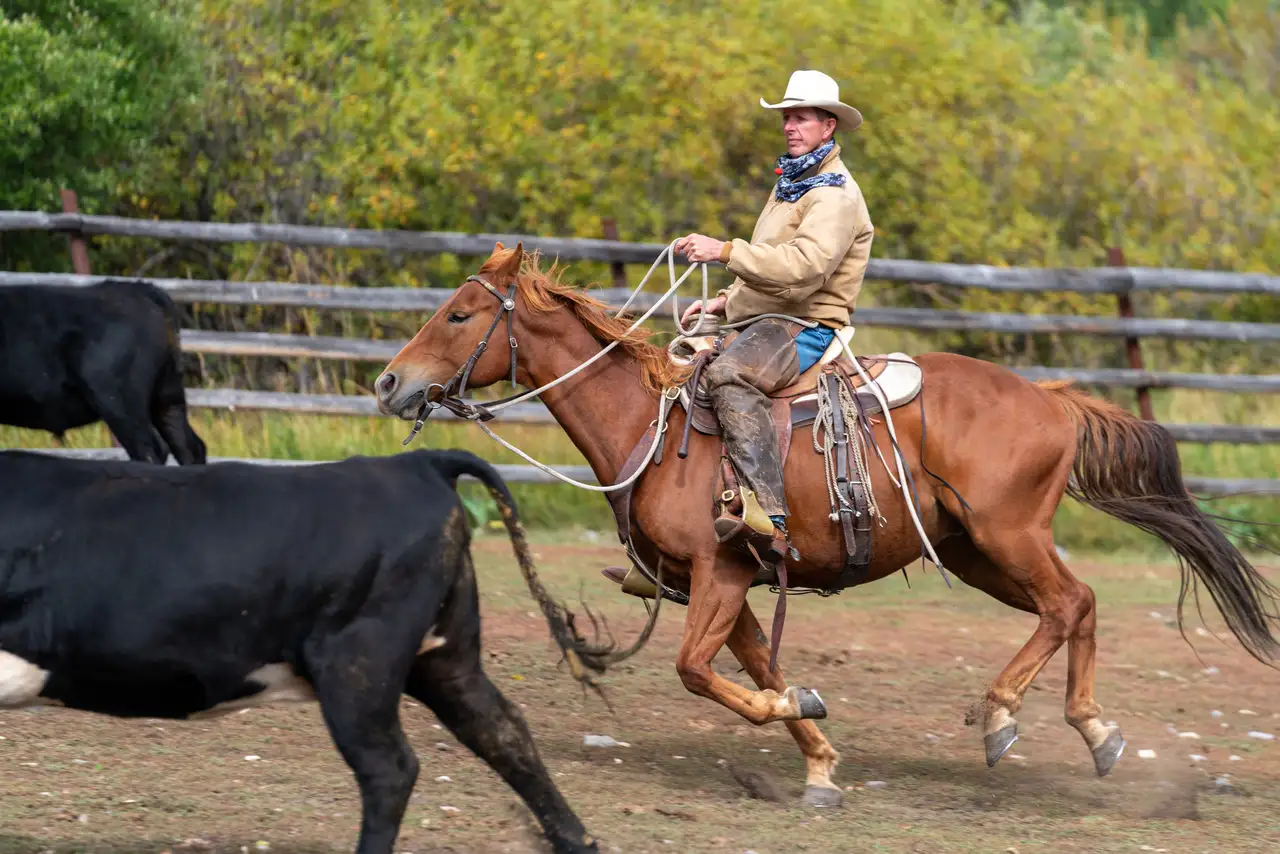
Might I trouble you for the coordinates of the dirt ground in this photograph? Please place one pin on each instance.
(897, 666)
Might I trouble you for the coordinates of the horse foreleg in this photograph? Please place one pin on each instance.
(717, 595)
(750, 646)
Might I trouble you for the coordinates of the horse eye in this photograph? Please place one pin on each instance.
(459, 317)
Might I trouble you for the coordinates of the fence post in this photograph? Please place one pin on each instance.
(609, 226)
(79, 249)
(1115, 258)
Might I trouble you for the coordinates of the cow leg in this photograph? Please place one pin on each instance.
(125, 411)
(169, 415)
(450, 681)
(355, 680)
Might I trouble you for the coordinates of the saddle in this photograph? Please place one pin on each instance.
(898, 378)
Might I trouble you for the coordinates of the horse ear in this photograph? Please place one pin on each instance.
(510, 268)
(497, 247)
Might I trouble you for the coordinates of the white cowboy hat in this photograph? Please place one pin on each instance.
(815, 89)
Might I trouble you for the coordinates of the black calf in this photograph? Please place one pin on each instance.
(137, 590)
(71, 356)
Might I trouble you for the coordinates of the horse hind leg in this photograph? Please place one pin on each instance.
(1082, 712)
(1024, 571)
(750, 646)
(718, 594)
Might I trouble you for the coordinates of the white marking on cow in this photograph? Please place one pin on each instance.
(280, 685)
(430, 641)
(21, 682)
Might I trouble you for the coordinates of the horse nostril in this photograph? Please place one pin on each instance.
(387, 384)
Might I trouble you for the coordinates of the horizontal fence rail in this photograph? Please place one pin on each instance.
(528, 474)
(337, 297)
(1119, 280)
(237, 400)
(1076, 280)
(361, 350)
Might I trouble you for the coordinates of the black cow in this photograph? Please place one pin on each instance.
(70, 356)
(137, 590)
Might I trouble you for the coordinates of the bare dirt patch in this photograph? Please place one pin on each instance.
(898, 667)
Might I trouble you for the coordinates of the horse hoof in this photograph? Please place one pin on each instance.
(999, 742)
(811, 705)
(1106, 755)
(822, 797)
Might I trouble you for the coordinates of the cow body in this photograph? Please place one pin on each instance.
(70, 356)
(138, 590)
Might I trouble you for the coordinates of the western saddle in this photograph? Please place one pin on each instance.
(898, 378)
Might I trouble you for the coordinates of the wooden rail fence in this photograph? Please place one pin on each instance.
(1116, 279)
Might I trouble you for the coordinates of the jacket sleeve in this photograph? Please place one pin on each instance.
(797, 267)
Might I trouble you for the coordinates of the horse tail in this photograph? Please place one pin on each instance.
(1129, 468)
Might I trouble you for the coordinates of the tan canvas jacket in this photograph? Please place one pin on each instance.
(806, 258)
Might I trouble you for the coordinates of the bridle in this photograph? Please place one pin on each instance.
(451, 392)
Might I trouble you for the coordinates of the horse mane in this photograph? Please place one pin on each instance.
(543, 291)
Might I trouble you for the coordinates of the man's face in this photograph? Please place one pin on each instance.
(805, 129)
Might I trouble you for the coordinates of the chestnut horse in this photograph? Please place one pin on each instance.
(1010, 447)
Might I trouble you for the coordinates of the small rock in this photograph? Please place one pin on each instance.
(440, 745)
(1016, 756)
(1203, 632)
(1194, 735)
(601, 741)
(1197, 757)
(1222, 785)
(450, 809)
(1264, 736)
(931, 738)
(252, 757)
(1215, 714)
(876, 784)
(1211, 670)
(1156, 615)
(1163, 674)
(1146, 754)
(262, 845)
(676, 756)
(617, 761)
(1248, 713)
(444, 778)
(765, 750)
(1233, 758)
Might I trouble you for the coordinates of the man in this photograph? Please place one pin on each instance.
(806, 259)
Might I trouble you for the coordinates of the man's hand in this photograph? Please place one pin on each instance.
(698, 248)
(715, 305)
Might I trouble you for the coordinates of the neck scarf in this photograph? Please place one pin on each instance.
(791, 168)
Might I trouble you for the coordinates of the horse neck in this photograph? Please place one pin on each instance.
(605, 410)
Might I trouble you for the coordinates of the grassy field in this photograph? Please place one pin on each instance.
(898, 666)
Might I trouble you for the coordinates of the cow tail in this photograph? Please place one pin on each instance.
(585, 658)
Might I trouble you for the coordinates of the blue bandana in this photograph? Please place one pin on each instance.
(789, 189)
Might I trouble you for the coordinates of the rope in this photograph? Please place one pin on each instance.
(664, 409)
(668, 252)
(897, 455)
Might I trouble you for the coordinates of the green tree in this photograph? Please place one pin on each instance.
(86, 88)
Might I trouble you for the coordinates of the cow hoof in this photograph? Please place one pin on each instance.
(811, 705)
(1106, 755)
(822, 797)
(999, 742)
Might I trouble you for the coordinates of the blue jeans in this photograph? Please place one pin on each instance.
(811, 344)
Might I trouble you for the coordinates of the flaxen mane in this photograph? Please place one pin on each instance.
(543, 291)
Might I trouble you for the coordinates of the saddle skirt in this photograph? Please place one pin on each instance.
(897, 376)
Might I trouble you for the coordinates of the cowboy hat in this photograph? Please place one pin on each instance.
(815, 89)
